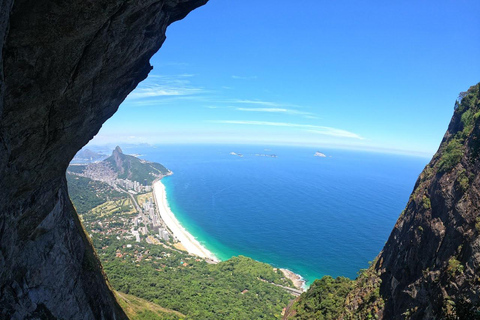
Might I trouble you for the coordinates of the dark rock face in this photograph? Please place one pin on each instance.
(65, 68)
(430, 266)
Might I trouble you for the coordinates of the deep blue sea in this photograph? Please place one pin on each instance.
(315, 216)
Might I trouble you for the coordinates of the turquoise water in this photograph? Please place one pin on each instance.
(314, 216)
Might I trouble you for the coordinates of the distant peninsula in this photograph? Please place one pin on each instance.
(87, 155)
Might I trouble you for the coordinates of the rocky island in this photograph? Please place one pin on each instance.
(236, 154)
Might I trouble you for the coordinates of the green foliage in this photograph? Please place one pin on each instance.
(463, 181)
(467, 111)
(229, 290)
(324, 299)
(477, 223)
(135, 169)
(159, 167)
(454, 267)
(427, 204)
(86, 194)
(451, 156)
(246, 266)
(467, 121)
(239, 288)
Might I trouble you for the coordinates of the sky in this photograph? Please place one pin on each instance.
(369, 75)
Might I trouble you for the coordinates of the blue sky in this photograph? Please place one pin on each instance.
(373, 75)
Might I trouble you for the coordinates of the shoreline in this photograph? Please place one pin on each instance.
(191, 244)
(298, 281)
(183, 236)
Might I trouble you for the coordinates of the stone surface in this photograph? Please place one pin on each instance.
(65, 68)
(430, 265)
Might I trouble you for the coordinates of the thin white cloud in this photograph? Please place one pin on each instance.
(165, 100)
(165, 86)
(244, 77)
(328, 131)
(264, 103)
(274, 110)
(160, 91)
(262, 109)
(257, 102)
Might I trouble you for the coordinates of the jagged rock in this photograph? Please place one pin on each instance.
(64, 69)
(430, 265)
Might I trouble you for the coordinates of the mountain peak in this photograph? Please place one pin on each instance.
(118, 150)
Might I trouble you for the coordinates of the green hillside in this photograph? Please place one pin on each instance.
(86, 193)
(161, 275)
(135, 169)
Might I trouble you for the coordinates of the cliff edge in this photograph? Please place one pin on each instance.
(430, 265)
(64, 69)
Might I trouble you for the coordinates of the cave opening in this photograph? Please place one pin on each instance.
(65, 69)
(165, 110)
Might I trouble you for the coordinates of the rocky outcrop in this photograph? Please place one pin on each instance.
(64, 68)
(116, 159)
(430, 265)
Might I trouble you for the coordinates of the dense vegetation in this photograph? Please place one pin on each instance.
(467, 112)
(136, 169)
(159, 274)
(174, 280)
(86, 194)
(325, 299)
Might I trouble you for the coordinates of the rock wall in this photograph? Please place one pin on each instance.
(430, 265)
(65, 68)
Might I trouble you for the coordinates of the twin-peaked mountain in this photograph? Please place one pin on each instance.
(135, 169)
(122, 166)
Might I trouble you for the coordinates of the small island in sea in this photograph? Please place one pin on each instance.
(319, 154)
(236, 154)
(266, 155)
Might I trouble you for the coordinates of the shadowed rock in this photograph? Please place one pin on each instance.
(65, 68)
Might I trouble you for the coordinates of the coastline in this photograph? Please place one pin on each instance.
(298, 281)
(186, 239)
(192, 245)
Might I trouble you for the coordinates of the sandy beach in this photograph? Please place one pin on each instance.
(186, 239)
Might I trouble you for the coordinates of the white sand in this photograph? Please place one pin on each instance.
(186, 239)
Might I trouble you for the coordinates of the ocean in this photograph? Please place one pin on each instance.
(312, 215)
